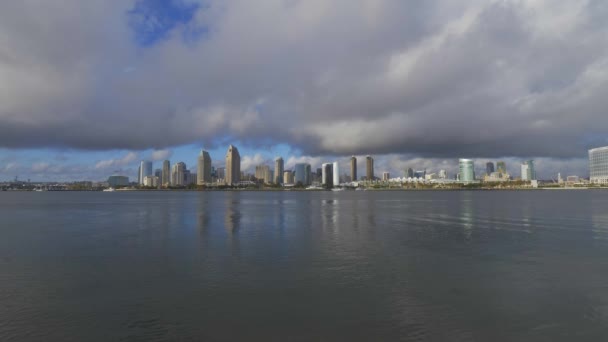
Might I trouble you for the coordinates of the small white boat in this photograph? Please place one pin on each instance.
(109, 190)
(337, 189)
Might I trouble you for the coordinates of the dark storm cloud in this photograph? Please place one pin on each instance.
(432, 78)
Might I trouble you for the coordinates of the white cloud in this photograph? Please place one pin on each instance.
(161, 154)
(113, 163)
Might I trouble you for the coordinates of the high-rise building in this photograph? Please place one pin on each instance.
(353, 169)
(145, 170)
(288, 177)
(410, 173)
(220, 173)
(598, 165)
(233, 165)
(386, 176)
(166, 175)
(260, 171)
(302, 174)
(466, 168)
(336, 174)
(443, 174)
(158, 173)
(179, 174)
(489, 168)
(501, 167)
(327, 179)
(528, 173)
(278, 171)
(369, 167)
(203, 168)
(308, 177)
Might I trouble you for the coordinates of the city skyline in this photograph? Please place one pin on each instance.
(173, 77)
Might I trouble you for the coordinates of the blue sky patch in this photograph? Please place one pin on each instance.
(152, 20)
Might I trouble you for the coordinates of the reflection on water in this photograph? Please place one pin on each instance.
(366, 266)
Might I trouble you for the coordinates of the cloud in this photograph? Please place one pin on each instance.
(127, 159)
(435, 79)
(161, 154)
(248, 163)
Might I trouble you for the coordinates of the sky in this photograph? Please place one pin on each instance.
(89, 88)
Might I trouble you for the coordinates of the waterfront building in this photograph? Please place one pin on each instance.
(528, 173)
(220, 173)
(203, 168)
(300, 173)
(114, 181)
(420, 174)
(443, 174)
(369, 165)
(278, 170)
(158, 173)
(489, 167)
(353, 169)
(410, 173)
(327, 179)
(466, 168)
(501, 167)
(336, 174)
(308, 173)
(166, 174)
(178, 174)
(598, 165)
(260, 172)
(288, 177)
(496, 177)
(233, 165)
(151, 181)
(145, 170)
(386, 176)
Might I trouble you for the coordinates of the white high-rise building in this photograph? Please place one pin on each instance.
(528, 173)
(336, 174)
(466, 168)
(598, 165)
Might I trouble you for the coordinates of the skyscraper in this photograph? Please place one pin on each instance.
(179, 174)
(410, 173)
(308, 177)
(327, 175)
(233, 165)
(370, 167)
(166, 174)
(466, 169)
(386, 176)
(145, 170)
(598, 165)
(489, 167)
(528, 172)
(288, 177)
(278, 171)
(336, 174)
(204, 168)
(353, 169)
(302, 174)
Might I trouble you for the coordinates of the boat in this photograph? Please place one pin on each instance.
(109, 190)
(337, 189)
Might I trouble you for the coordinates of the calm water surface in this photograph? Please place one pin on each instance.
(304, 266)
